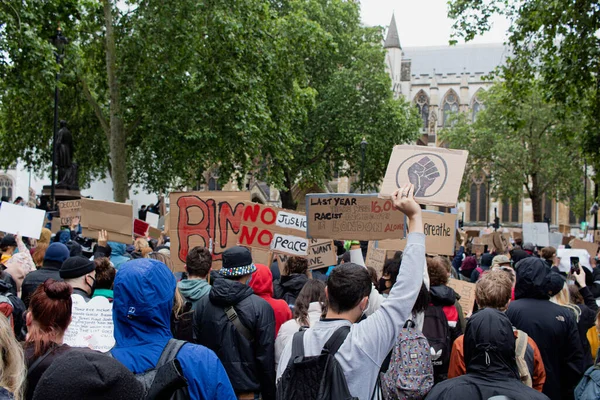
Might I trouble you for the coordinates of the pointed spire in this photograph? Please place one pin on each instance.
(392, 39)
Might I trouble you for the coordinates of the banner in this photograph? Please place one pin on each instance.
(536, 233)
(69, 210)
(115, 218)
(209, 219)
(436, 173)
(352, 217)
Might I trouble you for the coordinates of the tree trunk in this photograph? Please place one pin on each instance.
(117, 142)
(287, 197)
(536, 200)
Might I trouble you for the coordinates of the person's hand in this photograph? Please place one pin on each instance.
(102, 238)
(19, 238)
(404, 201)
(580, 278)
(75, 222)
(465, 238)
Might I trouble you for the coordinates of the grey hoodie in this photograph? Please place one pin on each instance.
(370, 341)
(193, 289)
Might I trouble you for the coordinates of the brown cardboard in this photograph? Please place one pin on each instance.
(115, 218)
(500, 242)
(436, 173)
(597, 236)
(466, 290)
(473, 233)
(352, 217)
(477, 249)
(68, 210)
(260, 256)
(320, 255)
(591, 248)
(376, 258)
(564, 229)
(154, 233)
(209, 219)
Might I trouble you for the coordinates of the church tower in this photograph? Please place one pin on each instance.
(393, 57)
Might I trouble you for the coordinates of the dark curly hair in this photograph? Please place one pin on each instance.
(438, 274)
(296, 265)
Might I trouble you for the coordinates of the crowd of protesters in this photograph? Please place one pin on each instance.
(253, 331)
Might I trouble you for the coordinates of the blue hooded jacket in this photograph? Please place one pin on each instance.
(143, 299)
(117, 254)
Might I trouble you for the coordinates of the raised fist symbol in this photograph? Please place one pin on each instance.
(422, 174)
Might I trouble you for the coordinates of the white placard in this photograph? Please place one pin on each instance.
(92, 324)
(289, 244)
(555, 239)
(23, 220)
(291, 221)
(536, 233)
(565, 259)
(152, 219)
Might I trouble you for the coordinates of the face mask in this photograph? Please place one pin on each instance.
(92, 286)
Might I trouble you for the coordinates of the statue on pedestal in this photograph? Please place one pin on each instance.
(67, 169)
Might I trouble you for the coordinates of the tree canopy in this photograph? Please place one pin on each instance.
(158, 92)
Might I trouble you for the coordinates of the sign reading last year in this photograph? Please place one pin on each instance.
(352, 217)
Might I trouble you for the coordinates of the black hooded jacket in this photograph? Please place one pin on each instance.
(490, 360)
(445, 296)
(552, 327)
(249, 365)
(49, 270)
(288, 287)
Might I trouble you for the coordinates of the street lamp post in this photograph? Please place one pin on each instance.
(59, 42)
(363, 148)
(487, 209)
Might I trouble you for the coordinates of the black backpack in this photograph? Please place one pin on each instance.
(166, 380)
(317, 377)
(437, 332)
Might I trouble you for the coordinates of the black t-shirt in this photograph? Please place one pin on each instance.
(35, 375)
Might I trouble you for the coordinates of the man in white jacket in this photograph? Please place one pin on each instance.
(348, 290)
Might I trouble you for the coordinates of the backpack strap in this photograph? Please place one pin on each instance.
(298, 345)
(37, 362)
(170, 351)
(233, 317)
(336, 340)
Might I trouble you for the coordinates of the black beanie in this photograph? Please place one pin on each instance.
(86, 374)
(77, 266)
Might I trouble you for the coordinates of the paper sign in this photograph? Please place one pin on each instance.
(69, 210)
(152, 219)
(293, 245)
(115, 218)
(565, 259)
(140, 228)
(291, 221)
(436, 173)
(92, 324)
(466, 290)
(23, 220)
(591, 248)
(555, 239)
(352, 217)
(204, 219)
(536, 233)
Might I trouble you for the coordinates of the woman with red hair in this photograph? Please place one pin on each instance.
(48, 318)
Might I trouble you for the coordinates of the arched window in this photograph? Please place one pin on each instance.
(450, 106)
(422, 102)
(477, 107)
(478, 207)
(510, 210)
(6, 187)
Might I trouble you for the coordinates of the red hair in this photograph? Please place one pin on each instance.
(50, 307)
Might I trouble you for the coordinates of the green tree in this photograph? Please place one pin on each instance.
(555, 41)
(525, 143)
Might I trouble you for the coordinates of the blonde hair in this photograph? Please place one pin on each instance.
(142, 246)
(563, 298)
(12, 362)
(493, 290)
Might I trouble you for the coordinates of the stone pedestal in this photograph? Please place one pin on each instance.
(59, 194)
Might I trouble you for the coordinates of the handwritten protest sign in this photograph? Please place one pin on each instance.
(209, 219)
(92, 324)
(376, 258)
(69, 210)
(24, 220)
(154, 233)
(436, 173)
(115, 218)
(536, 233)
(352, 217)
(591, 248)
(320, 255)
(466, 290)
(140, 228)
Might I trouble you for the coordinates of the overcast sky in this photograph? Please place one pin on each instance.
(422, 22)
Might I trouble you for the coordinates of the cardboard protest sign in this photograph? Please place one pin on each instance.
(320, 255)
(477, 249)
(473, 233)
(152, 219)
(92, 324)
(260, 256)
(436, 173)
(140, 228)
(466, 290)
(597, 236)
(28, 222)
(565, 259)
(115, 218)
(69, 210)
(209, 219)
(500, 242)
(376, 258)
(536, 233)
(564, 229)
(154, 233)
(352, 217)
(591, 248)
